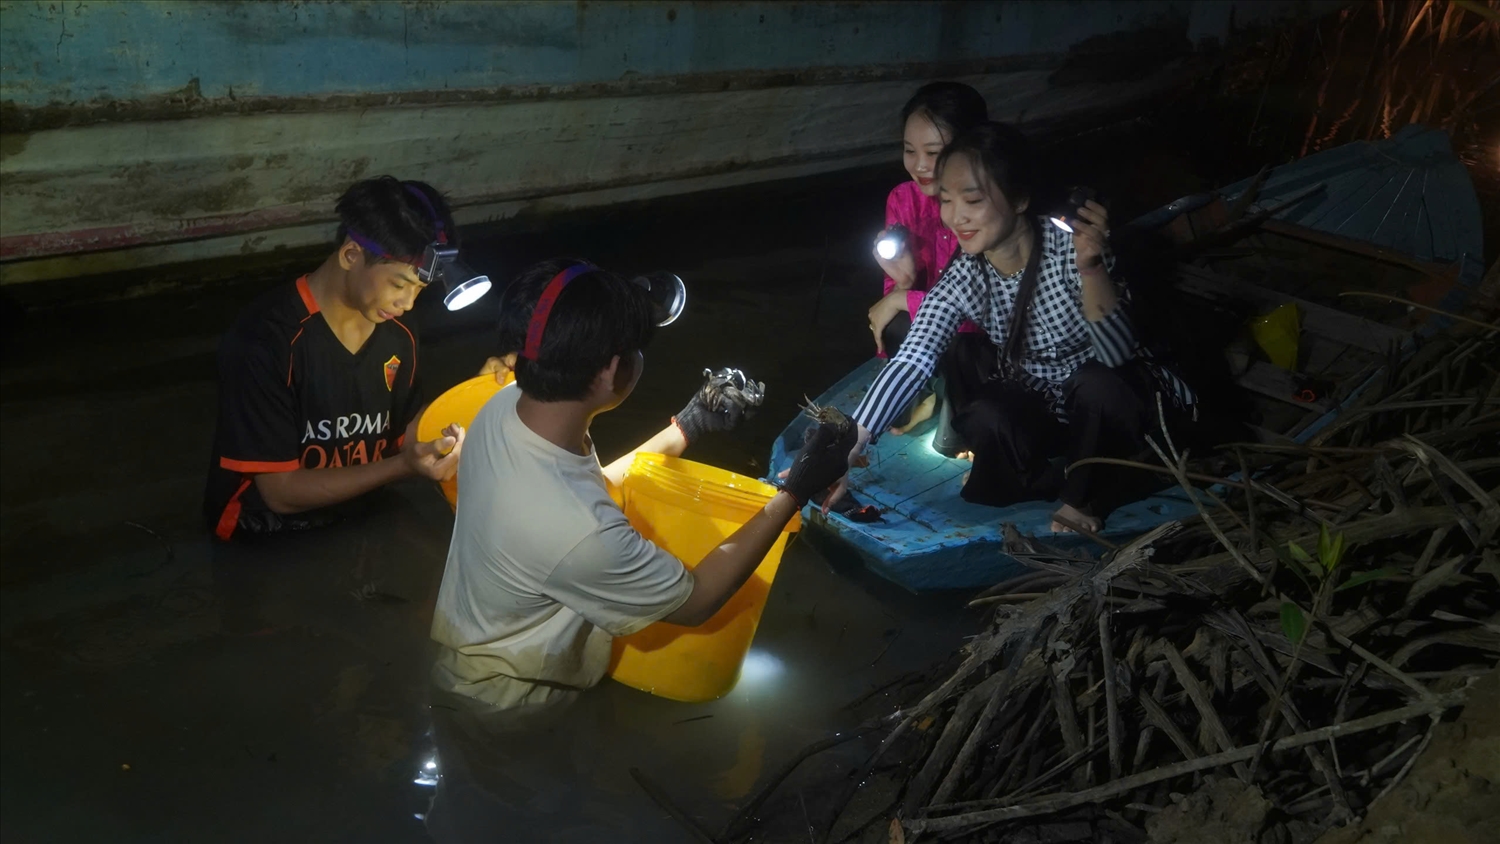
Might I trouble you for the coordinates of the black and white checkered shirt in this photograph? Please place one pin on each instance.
(1058, 338)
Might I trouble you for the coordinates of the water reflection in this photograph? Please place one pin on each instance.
(564, 773)
(759, 670)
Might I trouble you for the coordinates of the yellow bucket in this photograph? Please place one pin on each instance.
(460, 404)
(1277, 334)
(689, 509)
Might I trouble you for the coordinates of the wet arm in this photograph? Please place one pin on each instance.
(668, 441)
(309, 489)
(727, 567)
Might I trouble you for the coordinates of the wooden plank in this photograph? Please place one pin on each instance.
(1321, 320)
(1275, 382)
(1358, 247)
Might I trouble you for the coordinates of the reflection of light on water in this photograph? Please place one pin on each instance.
(759, 669)
(427, 775)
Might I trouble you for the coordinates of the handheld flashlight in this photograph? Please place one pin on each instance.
(891, 242)
(1069, 216)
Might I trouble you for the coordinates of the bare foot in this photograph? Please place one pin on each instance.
(1073, 514)
(919, 414)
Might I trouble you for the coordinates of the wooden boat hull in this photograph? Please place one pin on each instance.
(151, 134)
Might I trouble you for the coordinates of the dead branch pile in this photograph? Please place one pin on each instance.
(1331, 603)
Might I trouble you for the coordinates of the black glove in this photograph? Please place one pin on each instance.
(824, 457)
(724, 400)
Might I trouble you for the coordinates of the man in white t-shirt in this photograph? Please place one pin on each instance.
(544, 569)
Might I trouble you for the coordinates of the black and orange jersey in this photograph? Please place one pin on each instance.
(292, 396)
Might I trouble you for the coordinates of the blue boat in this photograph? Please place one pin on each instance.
(1405, 202)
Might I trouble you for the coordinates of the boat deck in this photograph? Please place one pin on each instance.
(925, 526)
(1390, 218)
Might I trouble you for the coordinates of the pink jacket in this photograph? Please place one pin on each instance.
(931, 243)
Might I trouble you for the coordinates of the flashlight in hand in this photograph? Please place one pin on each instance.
(891, 242)
(1068, 218)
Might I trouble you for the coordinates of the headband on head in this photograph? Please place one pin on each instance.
(543, 310)
(441, 236)
(371, 246)
(432, 214)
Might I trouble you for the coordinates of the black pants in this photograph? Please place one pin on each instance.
(1014, 435)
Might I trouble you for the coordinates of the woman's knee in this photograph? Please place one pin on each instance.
(996, 415)
(1096, 386)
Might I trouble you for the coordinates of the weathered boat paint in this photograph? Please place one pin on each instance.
(145, 133)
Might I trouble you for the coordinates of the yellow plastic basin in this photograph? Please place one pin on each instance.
(460, 404)
(689, 509)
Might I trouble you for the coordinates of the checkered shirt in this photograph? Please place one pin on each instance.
(1058, 338)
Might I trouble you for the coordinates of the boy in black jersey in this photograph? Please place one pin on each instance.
(318, 378)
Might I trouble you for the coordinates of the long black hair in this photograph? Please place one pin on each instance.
(953, 107)
(1001, 156)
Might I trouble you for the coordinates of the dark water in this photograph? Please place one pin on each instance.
(156, 686)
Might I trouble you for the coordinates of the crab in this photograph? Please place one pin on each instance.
(727, 386)
(826, 417)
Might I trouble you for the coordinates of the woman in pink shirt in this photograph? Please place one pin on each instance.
(936, 114)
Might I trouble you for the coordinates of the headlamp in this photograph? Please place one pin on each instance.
(668, 296)
(462, 286)
(891, 242)
(1069, 215)
(667, 293)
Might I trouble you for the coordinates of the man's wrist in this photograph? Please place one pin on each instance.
(680, 433)
(783, 506)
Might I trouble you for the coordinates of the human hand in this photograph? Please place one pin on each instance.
(500, 367)
(902, 269)
(857, 459)
(826, 454)
(883, 311)
(1090, 235)
(724, 400)
(436, 460)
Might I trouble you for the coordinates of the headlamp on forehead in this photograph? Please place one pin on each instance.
(666, 291)
(462, 286)
(668, 295)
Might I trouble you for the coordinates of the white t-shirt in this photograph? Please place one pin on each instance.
(543, 568)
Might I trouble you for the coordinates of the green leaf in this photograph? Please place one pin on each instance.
(1366, 577)
(1308, 564)
(1298, 570)
(1293, 622)
(1335, 552)
(1325, 546)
